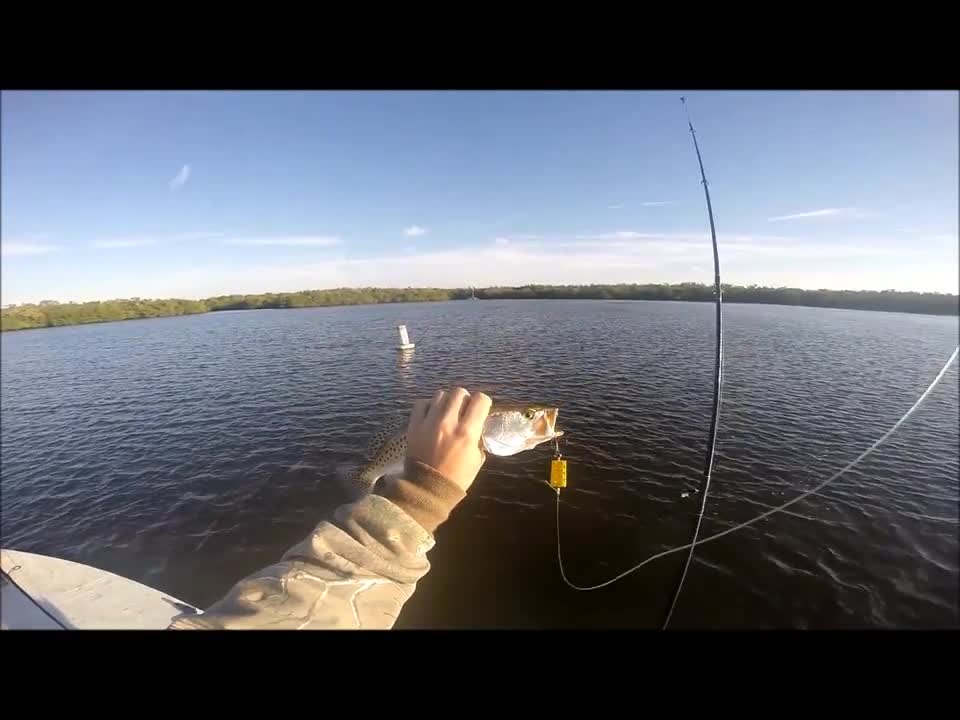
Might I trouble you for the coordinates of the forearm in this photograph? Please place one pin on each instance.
(355, 571)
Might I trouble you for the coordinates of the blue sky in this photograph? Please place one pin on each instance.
(191, 194)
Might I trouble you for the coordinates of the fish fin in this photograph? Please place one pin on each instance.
(383, 456)
(355, 480)
(386, 432)
(360, 481)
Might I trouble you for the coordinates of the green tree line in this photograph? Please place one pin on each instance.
(338, 296)
(50, 313)
(53, 314)
(888, 300)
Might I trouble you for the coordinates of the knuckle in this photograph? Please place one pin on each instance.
(449, 425)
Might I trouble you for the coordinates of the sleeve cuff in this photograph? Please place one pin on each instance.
(424, 494)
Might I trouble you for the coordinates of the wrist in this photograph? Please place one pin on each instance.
(424, 493)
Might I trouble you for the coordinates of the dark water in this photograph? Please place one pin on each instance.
(187, 452)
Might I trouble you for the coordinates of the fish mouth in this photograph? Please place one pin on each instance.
(545, 427)
(548, 429)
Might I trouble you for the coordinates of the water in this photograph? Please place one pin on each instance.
(187, 452)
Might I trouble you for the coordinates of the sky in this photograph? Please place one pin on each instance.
(193, 194)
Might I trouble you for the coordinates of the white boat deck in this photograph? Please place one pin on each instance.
(45, 593)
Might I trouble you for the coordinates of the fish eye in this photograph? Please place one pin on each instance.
(529, 413)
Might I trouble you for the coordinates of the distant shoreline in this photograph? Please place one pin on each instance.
(55, 314)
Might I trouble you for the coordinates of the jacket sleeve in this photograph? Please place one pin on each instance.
(354, 571)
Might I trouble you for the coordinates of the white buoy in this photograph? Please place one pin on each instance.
(405, 343)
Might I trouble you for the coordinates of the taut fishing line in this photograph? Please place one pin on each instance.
(717, 377)
(712, 436)
(877, 443)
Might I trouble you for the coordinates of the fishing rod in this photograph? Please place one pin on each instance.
(717, 375)
(779, 508)
(558, 468)
(558, 474)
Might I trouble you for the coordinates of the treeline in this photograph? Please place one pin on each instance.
(53, 314)
(887, 300)
(50, 313)
(338, 296)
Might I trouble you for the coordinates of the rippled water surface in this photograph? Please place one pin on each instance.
(187, 452)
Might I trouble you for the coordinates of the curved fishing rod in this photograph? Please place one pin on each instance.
(715, 414)
(779, 508)
(711, 443)
(717, 376)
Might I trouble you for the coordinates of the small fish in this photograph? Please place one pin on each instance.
(510, 428)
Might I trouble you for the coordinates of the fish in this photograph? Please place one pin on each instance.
(509, 429)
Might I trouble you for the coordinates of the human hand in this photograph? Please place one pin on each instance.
(444, 433)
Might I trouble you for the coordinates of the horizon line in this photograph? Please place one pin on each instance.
(136, 298)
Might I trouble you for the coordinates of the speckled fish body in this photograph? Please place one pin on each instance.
(510, 428)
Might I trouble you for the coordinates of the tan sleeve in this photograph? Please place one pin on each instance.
(354, 571)
(424, 494)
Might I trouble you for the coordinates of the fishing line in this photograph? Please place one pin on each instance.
(717, 376)
(712, 435)
(772, 511)
(714, 416)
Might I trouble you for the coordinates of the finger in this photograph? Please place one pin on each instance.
(436, 406)
(418, 413)
(476, 411)
(455, 401)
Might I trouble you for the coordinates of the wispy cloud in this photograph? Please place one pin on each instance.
(622, 235)
(571, 258)
(695, 247)
(140, 241)
(180, 179)
(19, 249)
(614, 207)
(645, 260)
(521, 237)
(825, 212)
(135, 241)
(659, 203)
(202, 235)
(414, 231)
(286, 241)
(123, 243)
